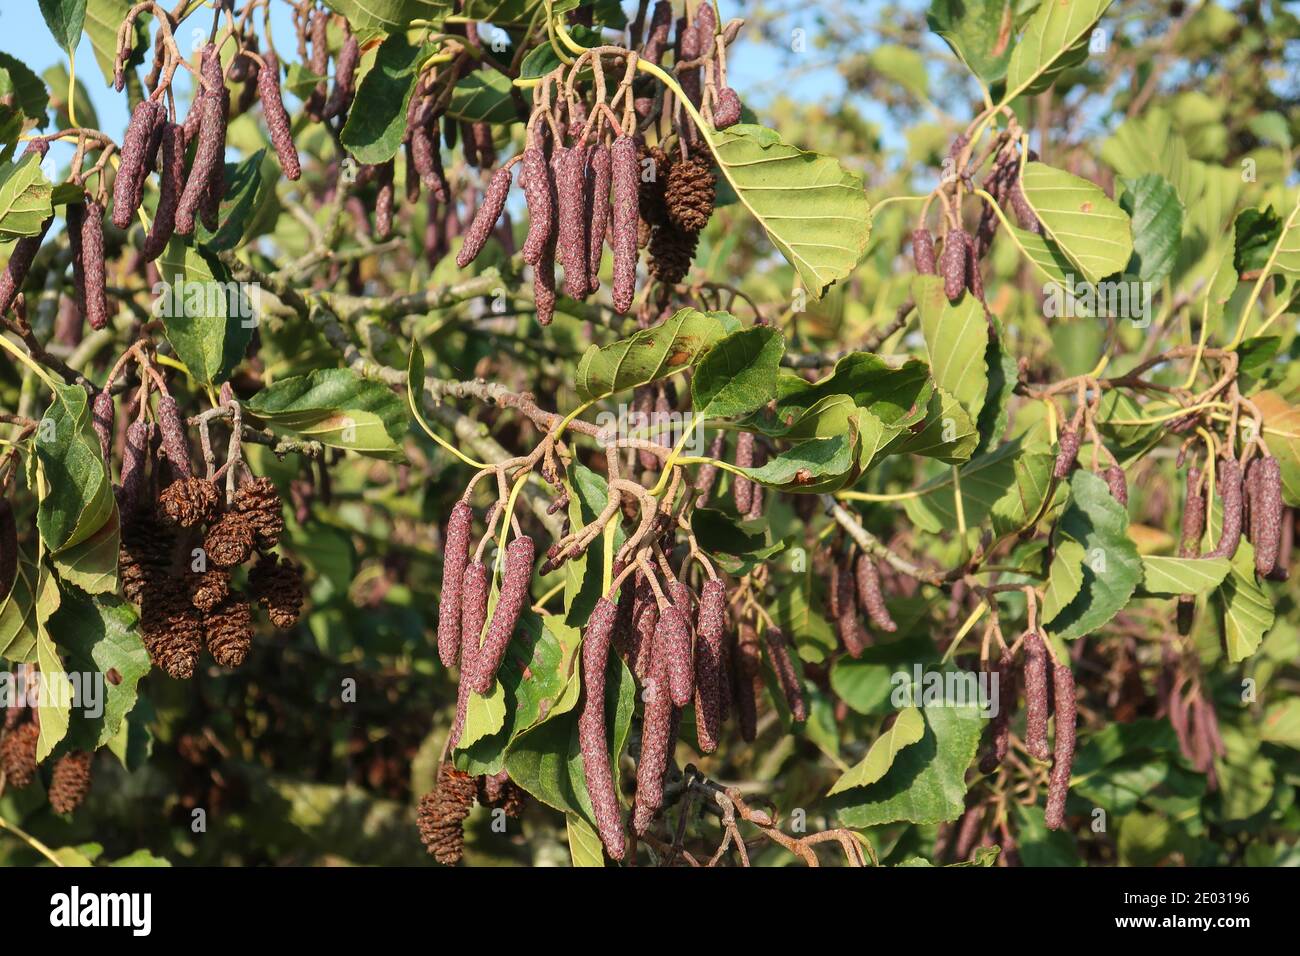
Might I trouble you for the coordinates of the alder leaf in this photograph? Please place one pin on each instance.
(1282, 432)
(206, 314)
(28, 92)
(668, 348)
(1245, 608)
(336, 407)
(738, 374)
(24, 197)
(75, 496)
(1170, 576)
(55, 703)
(18, 616)
(905, 731)
(812, 209)
(1156, 213)
(388, 16)
(810, 466)
(377, 120)
(483, 96)
(584, 842)
(65, 19)
(1007, 486)
(956, 341)
(1064, 579)
(978, 31)
(1084, 222)
(1055, 38)
(948, 433)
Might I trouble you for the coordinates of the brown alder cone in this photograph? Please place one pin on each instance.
(690, 193)
(539, 195)
(20, 261)
(1116, 483)
(598, 186)
(1266, 513)
(228, 629)
(952, 262)
(515, 579)
(570, 167)
(1000, 730)
(187, 502)
(870, 598)
(259, 501)
(742, 489)
(1035, 684)
(475, 586)
(8, 549)
(1063, 754)
(485, 220)
(1067, 444)
(171, 183)
(277, 585)
(71, 781)
(746, 666)
(171, 627)
(498, 790)
(625, 176)
(277, 119)
(128, 187)
(94, 302)
(174, 444)
(1230, 493)
(455, 558)
(229, 540)
(923, 251)
(144, 554)
(710, 625)
(778, 652)
(592, 740)
(442, 812)
(1189, 546)
(208, 589)
(653, 180)
(18, 755)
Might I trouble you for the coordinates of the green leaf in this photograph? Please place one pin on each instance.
(1171, 576)
(29, 93)
(662, 350)
(336, 407)
(98, 636)
(1111, 566)
(584, 576)
(92, 564)
(55, 703)
(926, 783)
(1281, 724)
(1156, 212)
(948, 433)
(76, 498)
(18, 616)
(956, 340)
(377, 121)
(1246, 609)
(1087, 225)
(584, 842)
(1064, 579)
(807, 466)
(388, 16)
(1007, 486)
(1055, 38)
(24, 197)
(978, 31)
(732, 545)
(64, 18)
(908, 729)
(103, 18)
(205, 313)
(813, 209)
(483, 96)
(738, 374)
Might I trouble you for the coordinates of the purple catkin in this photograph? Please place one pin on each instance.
(480, 133)
(510, 604)
(540, 198)
(95, 306)
(745, 672)
(101, 417)
(210, 204)
(623, 626)
(645, 621)
(384, 201)
(474, 601)
(1035, 684)
(673, 640)
(968, 831)
(710, 625)
(870, 598)
(319, 62)
(171, 165)
(656, 739)
(598, 202)
(778, 652)
(277, 119)
(455, 556)
(952, 263)
(661, 22)
(1266, 513)
(923, 251)
(469, 144)
(571, 186)
(128, 187)
(345, 69)
(174, 446)
(974, 279)
(134, 451)
(1193, 517)
(708, 474)
(742, 489)
(412, 177)
(1282, 567)
(847, 624)
(1230, 493)
(8, 548)
(494, 200)
(591, 728)
(544, 285)
(207, 156)
(726, 111)
(1000, 736)
(1067, 453)
(625, 174)
(423, 153)
(1063, 756)
(1116, 483)
(20, 261)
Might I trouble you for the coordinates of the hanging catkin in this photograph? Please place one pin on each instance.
(540, 199)
(571, 186)
(952, 263)
(171, 183)
(1189, 545)
(345, 68)
(746, 665)
(1063, 754)
(95, 304)
(742, 489)
(1000, 731)
(625, 174)
(870, 598)
(174, 445)
(20, 261)
(277, 119)
(656, 733)
(673, 640)
(510, 604)
(710, 624)
(778, 651)
(1035, 683)
(923, 251)
(101, 417)
(592, 741)
(485, 220)
(207, 156)
(455, 556)
(598, 201)
(473, 615)
(1266, 513)
(131, 169)
(1230, 493)
(1067, 452)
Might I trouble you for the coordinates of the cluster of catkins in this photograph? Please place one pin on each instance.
(442, 811)
(70, 779)
(855, 589)
(1068, 443)
(181, 541)
(1043, 694)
